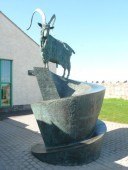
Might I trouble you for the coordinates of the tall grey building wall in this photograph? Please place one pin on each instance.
(15, 45)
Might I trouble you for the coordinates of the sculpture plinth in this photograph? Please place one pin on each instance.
(67, 120)
(79, 153)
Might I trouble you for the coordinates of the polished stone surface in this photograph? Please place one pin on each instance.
(67, 119)
(46, 84)
(73, 116)
(78, 153)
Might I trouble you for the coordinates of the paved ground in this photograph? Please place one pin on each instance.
(18, 133)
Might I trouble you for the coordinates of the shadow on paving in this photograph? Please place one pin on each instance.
(5, 115)
(16, 141)
(115, 147)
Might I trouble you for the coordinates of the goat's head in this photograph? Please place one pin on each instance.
(45, 27)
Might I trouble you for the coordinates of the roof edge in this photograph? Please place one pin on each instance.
(18, 28)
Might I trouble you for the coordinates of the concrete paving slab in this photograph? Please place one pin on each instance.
(18, 133)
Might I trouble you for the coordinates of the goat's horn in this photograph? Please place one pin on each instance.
(42, 15)
(53, 18)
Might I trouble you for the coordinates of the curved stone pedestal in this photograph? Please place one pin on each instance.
(82, 152)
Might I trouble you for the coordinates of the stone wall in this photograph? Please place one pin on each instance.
(116, 90)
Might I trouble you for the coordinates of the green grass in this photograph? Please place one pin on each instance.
(114, 110)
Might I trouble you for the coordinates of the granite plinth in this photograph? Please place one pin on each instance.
(70, 118)
(79, 153)
(46, 84)
(67, 119)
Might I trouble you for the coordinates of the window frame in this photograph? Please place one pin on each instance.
(6, 83)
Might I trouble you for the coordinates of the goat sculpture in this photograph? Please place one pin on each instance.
(52, 49)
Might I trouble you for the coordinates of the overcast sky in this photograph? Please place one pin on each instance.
(97, 30)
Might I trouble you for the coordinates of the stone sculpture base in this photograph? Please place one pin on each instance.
(79, 153)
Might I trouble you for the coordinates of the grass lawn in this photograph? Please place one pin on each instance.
(114, 110)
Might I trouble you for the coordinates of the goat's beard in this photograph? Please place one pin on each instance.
(44, 43)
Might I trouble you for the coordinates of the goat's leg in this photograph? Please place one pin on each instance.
(68, 68)
(44, 65)
(47, 66)
(64, 72)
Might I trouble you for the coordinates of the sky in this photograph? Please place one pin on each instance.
(97, 30)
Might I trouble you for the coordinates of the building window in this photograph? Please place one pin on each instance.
(5, 83)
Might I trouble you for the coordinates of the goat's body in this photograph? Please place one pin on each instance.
(57, 52)
(52, 49)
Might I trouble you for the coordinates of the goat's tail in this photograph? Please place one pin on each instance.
(73, 51)
(69, 48)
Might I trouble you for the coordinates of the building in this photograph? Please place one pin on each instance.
(18, 54)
